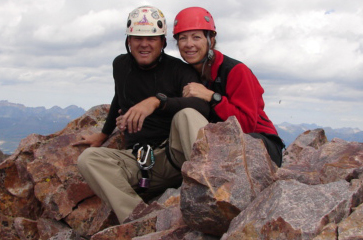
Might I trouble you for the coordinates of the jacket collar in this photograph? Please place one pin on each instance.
(217, 62)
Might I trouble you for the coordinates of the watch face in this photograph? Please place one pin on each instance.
(217, 97)
(161, 96)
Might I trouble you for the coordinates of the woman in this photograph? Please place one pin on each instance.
(229, 86)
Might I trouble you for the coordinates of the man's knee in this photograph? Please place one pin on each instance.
(187, 114)
(84, 157)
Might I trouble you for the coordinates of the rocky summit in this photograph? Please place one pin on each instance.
(231, 190)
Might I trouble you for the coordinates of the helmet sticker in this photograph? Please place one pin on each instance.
(175, 22)
(129, 23)
(144, 22)
(161, 14)
(206, 18)
(155, 14)
(135, 14)
(154, 30)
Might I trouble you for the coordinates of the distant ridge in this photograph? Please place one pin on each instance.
(18, 121)
(288, 132)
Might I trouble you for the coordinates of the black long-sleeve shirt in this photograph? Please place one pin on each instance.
(133, 84)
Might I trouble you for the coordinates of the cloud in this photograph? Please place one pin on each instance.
(306, 53)
(80, 30)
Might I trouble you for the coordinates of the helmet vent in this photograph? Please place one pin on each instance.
(160, 24)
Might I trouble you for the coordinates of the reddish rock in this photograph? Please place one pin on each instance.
(352, 226)
(26, 229)
(169, 218)
(48, 228)
(170, 234)
(67, 235)
(329, 232)
(292, 210)
(226, 172)
(128, 230)
(91, 216)
(150, 220)
(344, 160)
(12, 205)
(170, 198)
(7, 230)
(325, 163)
(302, 149)
(41, 178)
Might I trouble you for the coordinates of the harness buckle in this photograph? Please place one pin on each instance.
(144, 182)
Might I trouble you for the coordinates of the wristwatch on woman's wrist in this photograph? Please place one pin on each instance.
(216, 98)
(162, 97)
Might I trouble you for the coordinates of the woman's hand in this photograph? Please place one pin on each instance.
(197, 90)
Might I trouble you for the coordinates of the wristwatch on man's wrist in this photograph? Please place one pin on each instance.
(162, 98)
(216, 98)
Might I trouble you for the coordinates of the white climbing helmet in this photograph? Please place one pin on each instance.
(146, 21)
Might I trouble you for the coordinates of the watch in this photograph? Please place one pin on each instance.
(216, 98)
(162, 98)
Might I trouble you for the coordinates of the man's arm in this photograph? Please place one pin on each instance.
(134, 118)
(93, 140)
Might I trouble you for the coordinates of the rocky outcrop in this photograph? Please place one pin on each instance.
(231, 190)
(41, 187)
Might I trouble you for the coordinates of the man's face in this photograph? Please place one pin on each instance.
(145, 49)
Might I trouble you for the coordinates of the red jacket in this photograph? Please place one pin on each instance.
(242, 96)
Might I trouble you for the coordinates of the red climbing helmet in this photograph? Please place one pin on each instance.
(193, 18)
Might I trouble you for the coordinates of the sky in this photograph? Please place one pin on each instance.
(307, 54)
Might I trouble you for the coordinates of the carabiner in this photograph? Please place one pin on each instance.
(141, 157)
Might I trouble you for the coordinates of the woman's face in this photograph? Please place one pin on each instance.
(193, 46)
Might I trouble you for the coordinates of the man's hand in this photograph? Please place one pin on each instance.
(134, 118)
(197, 90)
(94, 140)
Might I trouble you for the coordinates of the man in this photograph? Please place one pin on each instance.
(148, 93)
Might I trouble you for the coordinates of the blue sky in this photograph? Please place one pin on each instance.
(307, 54)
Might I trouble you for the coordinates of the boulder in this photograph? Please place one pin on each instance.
(321, 162)
(352, 226)
(226, 172)
(289, 209)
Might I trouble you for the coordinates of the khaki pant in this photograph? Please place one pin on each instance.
(114, 174)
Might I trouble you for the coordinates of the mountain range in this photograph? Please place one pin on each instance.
(289, 132)
(18, 121)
